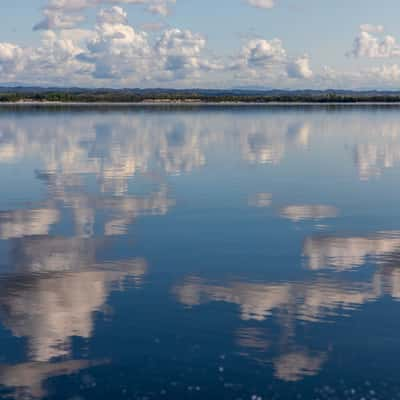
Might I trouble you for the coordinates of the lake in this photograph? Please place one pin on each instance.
(186, 252)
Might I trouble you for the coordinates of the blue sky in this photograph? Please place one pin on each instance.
(192, 43)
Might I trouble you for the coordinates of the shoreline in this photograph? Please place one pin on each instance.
(193, 103)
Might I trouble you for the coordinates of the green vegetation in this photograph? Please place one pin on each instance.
(140, 96)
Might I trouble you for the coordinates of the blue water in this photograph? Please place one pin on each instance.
(200, 253)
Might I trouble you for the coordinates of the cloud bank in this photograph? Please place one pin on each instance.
(113, 53)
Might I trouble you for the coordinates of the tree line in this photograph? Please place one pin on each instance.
(129, 97)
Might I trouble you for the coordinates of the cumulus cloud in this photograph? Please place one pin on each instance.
(261, 53)
(386, 73)
(114, 52)
(371, 43)
(380, 77)
(10, 59)
(268, 59)
(299, 68)
(115, 16)
(118, 51)
(53, 59)
(53, 20)
(372, 28)
(261, 3)
(179, 53)
(67, 14)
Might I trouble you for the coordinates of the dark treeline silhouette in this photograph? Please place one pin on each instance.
(190, 96)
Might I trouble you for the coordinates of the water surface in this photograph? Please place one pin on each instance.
(200, 253)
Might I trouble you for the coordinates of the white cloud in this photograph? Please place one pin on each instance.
(299, 68)
(262, 59)
(10, 59)
(116, 50)
(179, 53)
(386, 76)
(67, 14)
(261, 3)
(119, 52)
(372, 28)
(114, 53)
(370, 45)
(53, 20)
(114, 15)
(261, 53)
(54, 59)
(386, 72)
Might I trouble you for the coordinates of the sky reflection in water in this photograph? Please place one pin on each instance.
(207, 253)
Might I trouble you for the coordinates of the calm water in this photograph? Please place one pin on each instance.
(209, 253)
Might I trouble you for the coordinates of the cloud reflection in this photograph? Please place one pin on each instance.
(316, 300)
(293, 367)
(57, 284)
(319, 298)
(20, 223)
(345, 253)
(297, 213)
(309, 301)
(57, 288)
(266, 144)
(88, 166)
(372, 159)
(116, 147)
(291, 364)
(260, 200)
(26, 380)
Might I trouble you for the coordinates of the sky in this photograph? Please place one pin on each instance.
(282, 44)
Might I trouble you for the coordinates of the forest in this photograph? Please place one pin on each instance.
(200, 96)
